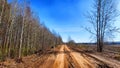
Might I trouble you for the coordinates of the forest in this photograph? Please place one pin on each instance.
(21, 31)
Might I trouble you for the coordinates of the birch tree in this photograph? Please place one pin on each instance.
(102, 18)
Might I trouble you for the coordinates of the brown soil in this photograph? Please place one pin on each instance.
(63, 57)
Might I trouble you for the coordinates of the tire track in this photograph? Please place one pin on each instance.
(59, 62)
(79, 60)
(65, 57)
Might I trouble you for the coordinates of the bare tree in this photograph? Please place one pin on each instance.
(21, 32)
(2, 10)
(102, 18)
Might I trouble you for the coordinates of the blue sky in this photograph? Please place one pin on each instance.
(66, 17)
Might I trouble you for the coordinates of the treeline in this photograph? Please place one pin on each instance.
(21, 32)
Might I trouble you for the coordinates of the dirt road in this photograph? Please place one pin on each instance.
(67, 58)
(59, 61)
(64, 58)
(79, 60)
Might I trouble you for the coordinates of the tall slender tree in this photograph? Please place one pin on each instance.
(102, 18)
(21, 32)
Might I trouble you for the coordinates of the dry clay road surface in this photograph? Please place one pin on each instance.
(65, 58)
